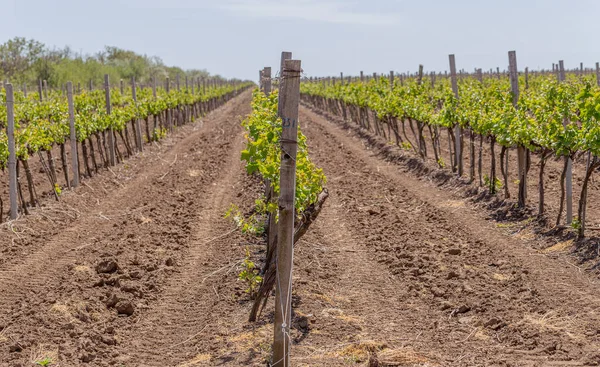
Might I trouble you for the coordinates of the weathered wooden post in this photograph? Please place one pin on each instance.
(40, 90)
(266, 79)
(73, 135)
(289, 95)
(122, 87)
(569, 173)
(521, 150)
(111, 133)
(457, 129)
(138, 126)
(170, 111)
(25, 90)
(45, 84)
(362, 77)
(391, 79)
(12, 156)
(271, 223)
(598, 73)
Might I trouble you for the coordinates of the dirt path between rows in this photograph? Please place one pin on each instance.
(101, 277)
(397, 261)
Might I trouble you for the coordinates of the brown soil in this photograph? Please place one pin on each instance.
(139, 268)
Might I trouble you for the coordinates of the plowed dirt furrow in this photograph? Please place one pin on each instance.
(396, 261)
(82, 288)
(168, 333)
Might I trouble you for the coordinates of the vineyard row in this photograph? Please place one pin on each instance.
(548, 114)
(91, 122)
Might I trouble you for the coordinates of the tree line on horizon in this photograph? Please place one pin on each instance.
(26, 61)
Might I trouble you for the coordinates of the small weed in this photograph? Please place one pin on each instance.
(250, 225)
(497, 184)
(406, 145)
(441, 162)
(44, 362)
(249, 275)
(159, 133)
(576, 223)
(57, 189)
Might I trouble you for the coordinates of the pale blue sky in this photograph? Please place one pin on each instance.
(235, 38)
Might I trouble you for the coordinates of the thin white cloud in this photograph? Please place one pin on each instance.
(330, 11)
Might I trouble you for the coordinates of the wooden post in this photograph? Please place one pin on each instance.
(168, 113)
(138, 126)
(91, 85)
(581, 69)
(271, 224)
(122, 87)
(521, 150)
(12, 156)
(598, 73)
(25, 90)
(177, 82)
(73, 136)
(40, 90)
(392, 79)
(111, 133)
(526, 78)
(45, 84)
(498, 71)
(569, 176)
(78, 88)
(457, 129)
(480, 75)
(289, 96)
(266, 77)
(432, 79)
